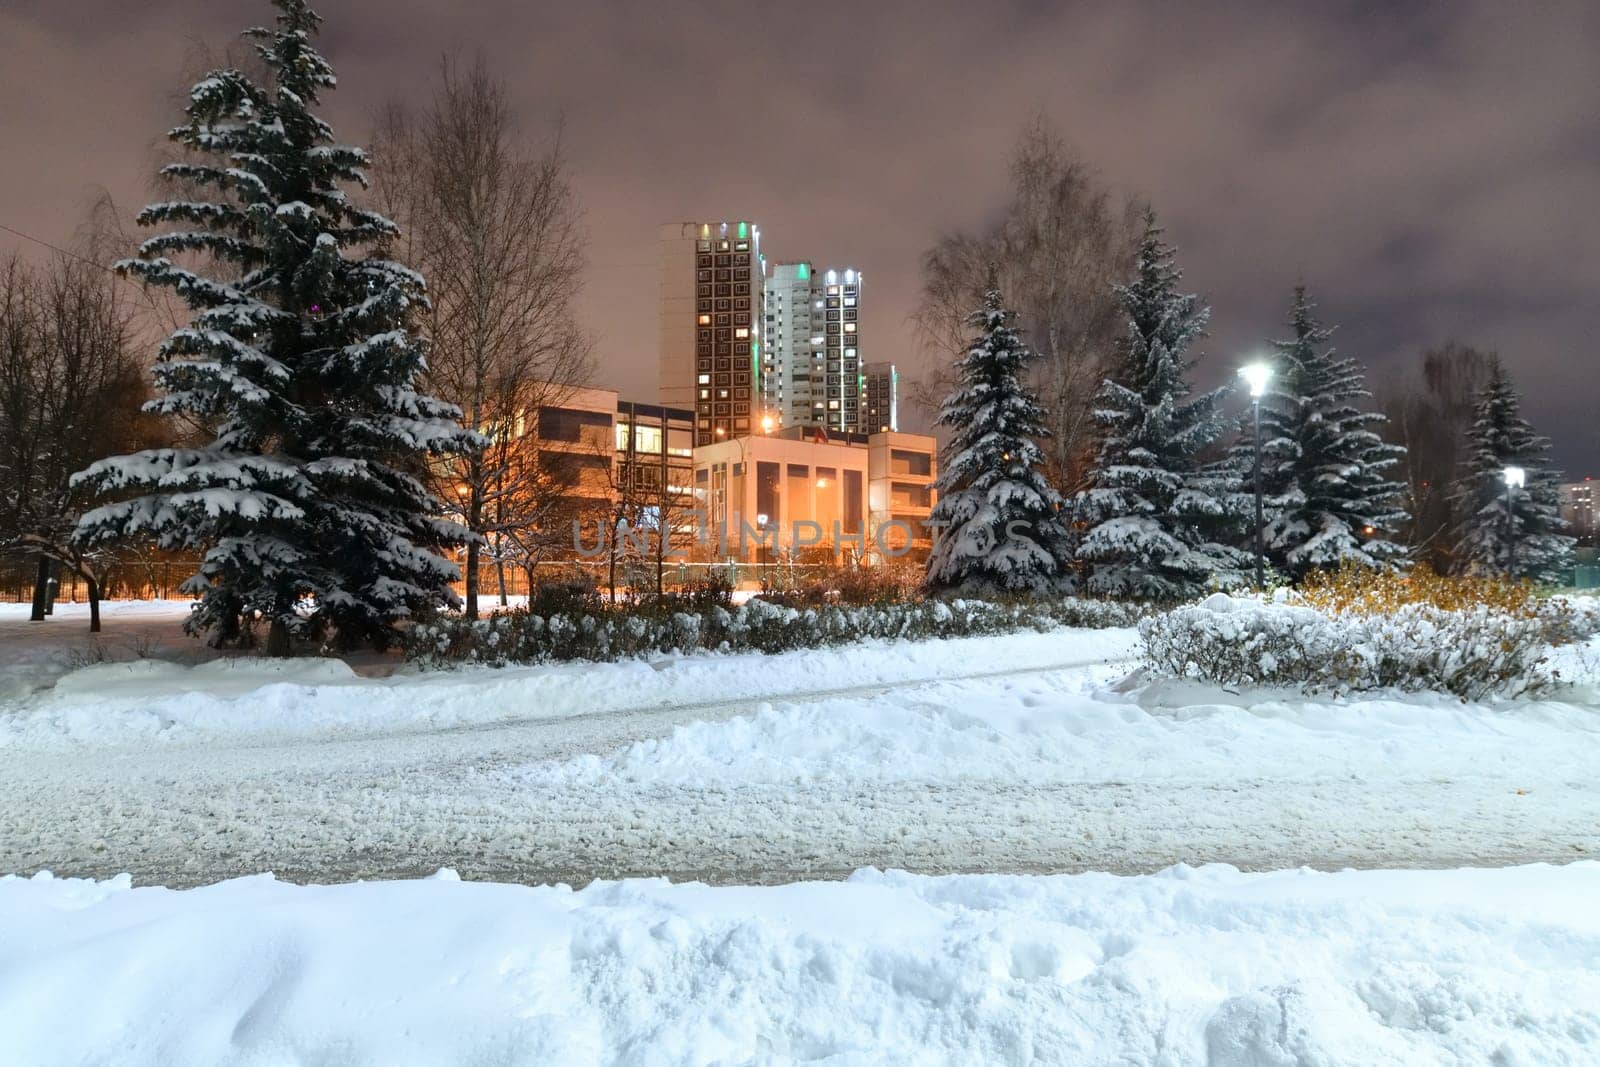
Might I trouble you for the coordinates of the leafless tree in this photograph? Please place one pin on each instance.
(541, 495)
(497, 232)
(1430, 414)
(70, 393)
(1063, 240)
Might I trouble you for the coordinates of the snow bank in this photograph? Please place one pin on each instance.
(120, 702)
(1049, 729)
(1195, 966)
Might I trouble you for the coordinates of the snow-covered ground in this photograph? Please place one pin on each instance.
(1191, 966)
(1025, 753)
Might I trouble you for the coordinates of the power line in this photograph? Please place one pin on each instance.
(55, 248)
(82, 259)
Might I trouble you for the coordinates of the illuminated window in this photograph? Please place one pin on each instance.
(705, 379)
(705, 320)
(849, 327)
(647, 439)
(743, 332)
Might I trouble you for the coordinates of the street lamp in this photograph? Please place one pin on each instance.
(1256, 376)
(1515, 478)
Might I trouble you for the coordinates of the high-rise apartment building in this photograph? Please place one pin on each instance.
(813, 321)
(711, 319)
(880, 398)
(794, 352)
(1580, 506)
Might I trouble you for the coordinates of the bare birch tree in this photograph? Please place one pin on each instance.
(496, 230)
(1055, 253)
(1430, 414)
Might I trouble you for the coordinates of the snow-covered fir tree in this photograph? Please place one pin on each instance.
(1323, 464)
(997, 520)
(299, 364)
(1501, 438)
(1155, 516)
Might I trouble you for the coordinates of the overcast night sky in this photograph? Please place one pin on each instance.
(1431, 173)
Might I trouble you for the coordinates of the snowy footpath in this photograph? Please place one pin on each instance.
(1031, 753)
(1189, 966)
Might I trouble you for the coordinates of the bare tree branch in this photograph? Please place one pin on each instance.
(1055, 253)
(498, 234)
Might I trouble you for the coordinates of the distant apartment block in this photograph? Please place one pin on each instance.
(710, 325)
(1580, 506)
(818, 376)
(795, 346)
(880, 398)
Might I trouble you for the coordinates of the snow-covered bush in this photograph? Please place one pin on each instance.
(1367, 591)
(599, 632)
(1473, 652)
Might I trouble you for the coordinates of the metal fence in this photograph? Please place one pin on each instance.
(155, 580)
(161, 579)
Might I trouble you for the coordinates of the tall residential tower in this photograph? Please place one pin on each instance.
(880, 400)
(710, 325)
(813, 321)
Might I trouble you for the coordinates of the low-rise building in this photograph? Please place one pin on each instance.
(800, 493)
(806, 494)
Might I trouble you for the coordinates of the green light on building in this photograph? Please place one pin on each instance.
(744, 230)
(803, 272)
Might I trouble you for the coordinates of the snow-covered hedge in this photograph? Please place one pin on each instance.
(757, 626)
(1472, 653)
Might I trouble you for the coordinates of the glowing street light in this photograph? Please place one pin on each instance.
(1516, 478)
(1256, 376)
(766, 424)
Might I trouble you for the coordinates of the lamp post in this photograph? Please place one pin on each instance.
(1256, 375)
(1515, 478)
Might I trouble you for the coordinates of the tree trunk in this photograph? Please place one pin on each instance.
(611, 568)
(472, 579)
(94, 604)
(278, 638)
(41, 581)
